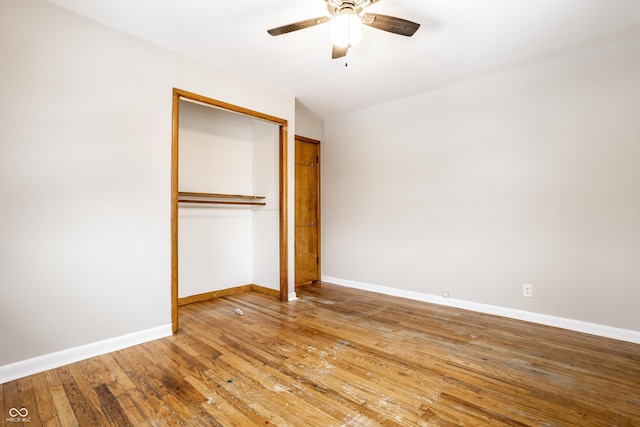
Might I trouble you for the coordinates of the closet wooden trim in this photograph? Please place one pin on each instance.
(284, 229)
(174, 209)
(206, 296)
(230, 107)
(212, 199)
(226, 292)
(179, 94)
(218, 195)
(220, 202)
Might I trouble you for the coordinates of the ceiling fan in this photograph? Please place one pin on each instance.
(346, 22)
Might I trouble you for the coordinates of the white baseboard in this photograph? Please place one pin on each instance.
(544, 319)
(43, 363)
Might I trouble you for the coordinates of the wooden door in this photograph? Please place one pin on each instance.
(307, 211)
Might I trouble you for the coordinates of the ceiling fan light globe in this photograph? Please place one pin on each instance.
(346, 29)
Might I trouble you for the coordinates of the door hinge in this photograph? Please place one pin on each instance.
(318, 260)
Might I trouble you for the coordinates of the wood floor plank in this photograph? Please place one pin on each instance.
(83, 399)
(116, 374)
(45, 404)
(144, 396)
(64, 410)
(11, 397)
(28, 401)
(111, 406)
(163, 386)
(343, 357)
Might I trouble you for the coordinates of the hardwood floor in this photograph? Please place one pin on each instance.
(342, 357)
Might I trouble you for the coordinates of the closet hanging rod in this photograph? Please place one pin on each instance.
(218, 195)
(221, 202)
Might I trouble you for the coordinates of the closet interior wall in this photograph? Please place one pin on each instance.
(222, 246)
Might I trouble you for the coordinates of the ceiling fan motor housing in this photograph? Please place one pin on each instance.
(336, 7)
(346, 26)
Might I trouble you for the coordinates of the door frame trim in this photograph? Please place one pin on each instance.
(283, 191)
(319, 221)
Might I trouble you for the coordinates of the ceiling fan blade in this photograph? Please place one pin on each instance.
(298, 26)
(390, 24)
(338, 52)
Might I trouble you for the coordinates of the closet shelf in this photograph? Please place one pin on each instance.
(215, 198)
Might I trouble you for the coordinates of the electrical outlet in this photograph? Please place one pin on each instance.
(445, 294)
(527, 290)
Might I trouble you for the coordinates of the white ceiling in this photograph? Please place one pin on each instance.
(458, 40)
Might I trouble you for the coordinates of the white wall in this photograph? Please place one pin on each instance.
(266, 220)
(214, 242)
(530, 176)
(224, 246)
(216, 150)
(308, 124)
(85, 167)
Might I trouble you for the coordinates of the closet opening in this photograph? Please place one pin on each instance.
(228, 201)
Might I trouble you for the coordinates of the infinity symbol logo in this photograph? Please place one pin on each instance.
(23, 412)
